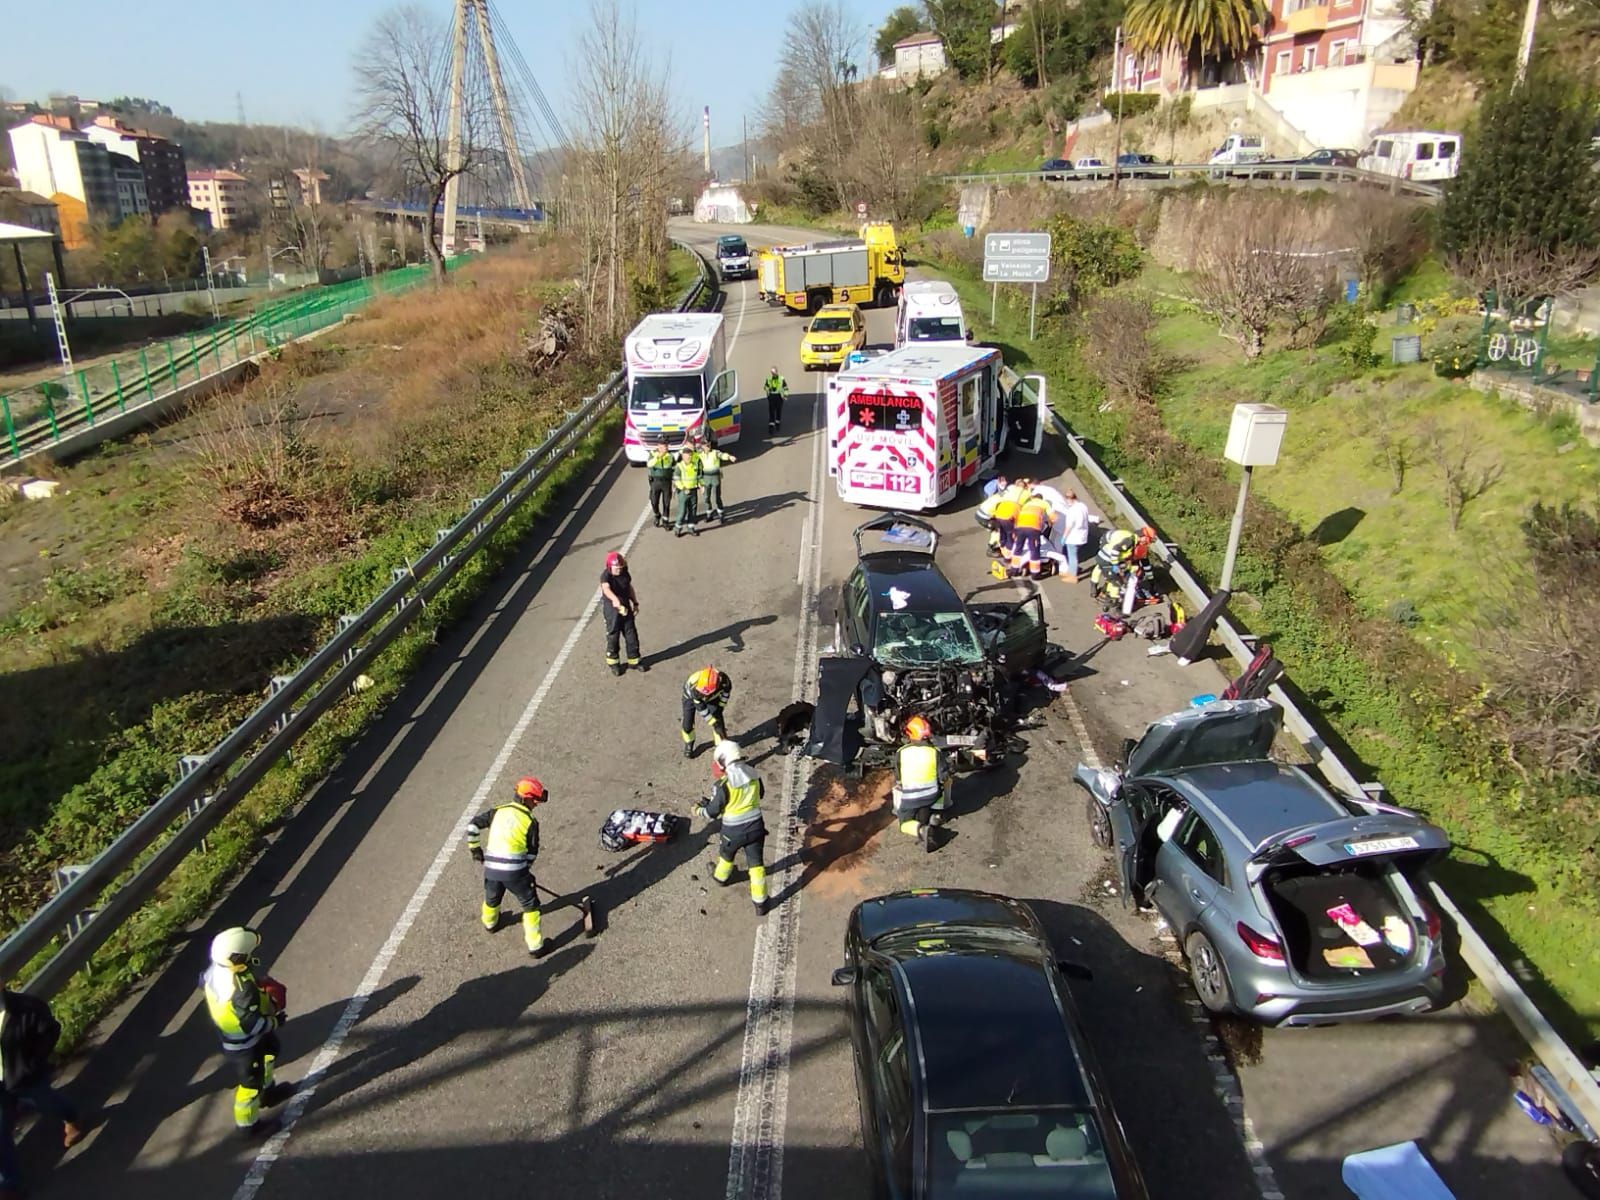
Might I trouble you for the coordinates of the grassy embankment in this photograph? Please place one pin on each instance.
(150, 604)
(1373, 603)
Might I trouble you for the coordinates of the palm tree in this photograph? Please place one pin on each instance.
(1201, 29)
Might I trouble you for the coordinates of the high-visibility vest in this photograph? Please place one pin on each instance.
(777, 385)
(239, 1009)
(1117, 547)
(513, 840)
(659, 464)
(710, 462)
(1005, 508)
(1035, 514)
(916, 770)
(744, 796)
(686, 474)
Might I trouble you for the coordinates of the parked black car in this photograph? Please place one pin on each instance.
(1142, 166)
(1333, 160)
(906, 644)
(973, 1075)
(1055, 168)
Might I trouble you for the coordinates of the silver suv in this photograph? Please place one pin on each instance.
(1295, 906)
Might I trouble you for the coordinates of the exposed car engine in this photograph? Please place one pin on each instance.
(957, 700)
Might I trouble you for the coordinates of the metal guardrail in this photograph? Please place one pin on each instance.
(1179, 174)
(1501, 984)
(211, 784)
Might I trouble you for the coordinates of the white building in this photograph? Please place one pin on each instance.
(920, 56)
(56, 161)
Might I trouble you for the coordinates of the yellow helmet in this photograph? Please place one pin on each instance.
(706, 681)
(918, 729)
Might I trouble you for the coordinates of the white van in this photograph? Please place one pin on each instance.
(1423, 155)
(679, 384)
(930, 311)
(1238, 149)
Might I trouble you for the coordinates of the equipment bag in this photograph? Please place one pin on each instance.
(632, 826)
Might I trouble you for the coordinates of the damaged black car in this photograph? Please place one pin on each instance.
(906, 644)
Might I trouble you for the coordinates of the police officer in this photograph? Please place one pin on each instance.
(247, 1016)
(507, 858)
(777, 388)
(658, 468)
(621, 602)
(711, 460)
(686, 484)
(736, 799)
(705, 693)
(921, 782)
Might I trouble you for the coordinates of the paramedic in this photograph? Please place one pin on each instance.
(1007, 503)
(777, 389)
(705, 693)
(736, 800)
(711, 460)
(921, 782)
(1033, 520)
(621, 608)
(686, 483)
(247, 1017)
(507, 858)
(659, 469)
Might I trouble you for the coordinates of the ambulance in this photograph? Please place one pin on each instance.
(909, 429)
(679, 383)
(929, 312)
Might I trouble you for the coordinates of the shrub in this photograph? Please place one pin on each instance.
(1134, 104)
(1453, 348)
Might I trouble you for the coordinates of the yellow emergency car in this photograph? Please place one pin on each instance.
(834, 332)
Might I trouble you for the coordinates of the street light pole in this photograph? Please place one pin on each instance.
(1235, 529)
(1122, 86)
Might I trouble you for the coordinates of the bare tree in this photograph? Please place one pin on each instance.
(815, 83)
(1389, 233)
(1521, 274)
(1395, 446)
(1261, 263)
(1119, 345)
(887, 167)
(403, 89)
(1466, 476)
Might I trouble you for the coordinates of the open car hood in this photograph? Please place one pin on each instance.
(1407, 842)
(1223, 731)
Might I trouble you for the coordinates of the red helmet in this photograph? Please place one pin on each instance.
(706, 681)
(530, 789)
(615, 560)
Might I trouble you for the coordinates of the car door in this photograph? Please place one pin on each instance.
(884, 1083)
(1189, 872)
(1132, 814)
(1027, 414)
(1018, 640)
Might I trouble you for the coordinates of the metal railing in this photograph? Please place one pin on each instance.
(1502, 985)
(209, 785)
(1179, 174)
(37, 418)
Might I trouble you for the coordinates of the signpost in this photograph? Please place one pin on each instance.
(861, 208)
(1016, 258)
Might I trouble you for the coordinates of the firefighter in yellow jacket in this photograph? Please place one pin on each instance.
(505, 839)
(246, 1015)
(736, 801)
(921, 782)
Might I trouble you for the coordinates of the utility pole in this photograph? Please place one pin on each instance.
(458, 83)
(502, 109)
(1122, 85)
(1530, 18)
(707, 151)
(746, 126)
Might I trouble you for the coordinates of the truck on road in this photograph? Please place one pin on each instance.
(909, 429)
(679, 383)
(866, 270)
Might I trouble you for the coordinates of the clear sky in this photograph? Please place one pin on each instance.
(289, 60)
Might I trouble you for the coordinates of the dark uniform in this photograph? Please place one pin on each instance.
(658, 468)
(621, 626)
(686, 483)
(705, 693)
(777, 389)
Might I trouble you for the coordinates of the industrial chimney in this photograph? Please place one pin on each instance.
(708, 141)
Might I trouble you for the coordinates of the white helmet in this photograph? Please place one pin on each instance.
(233, 947)
(727, 751)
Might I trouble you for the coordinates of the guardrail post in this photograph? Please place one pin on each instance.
(216, 349)
(88, 405)
(396, 574)
(439, 536)
(50, 412)
(11, 428)
(144, 367)
(505, 477)
(116, 382)
(62, 877)
(279, 682)
(194, 356)
(188, 764)
(172, 367)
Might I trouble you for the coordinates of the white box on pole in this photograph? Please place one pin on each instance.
(1255, 434)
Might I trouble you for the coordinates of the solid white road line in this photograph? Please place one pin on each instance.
(755, 1152)
(331, 1049)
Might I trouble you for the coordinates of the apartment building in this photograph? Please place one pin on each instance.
(19, 207)
(57, 161)
(220, 194)
(132, 198)
(165, 175)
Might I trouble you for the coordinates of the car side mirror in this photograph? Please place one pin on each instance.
(1127, 749)
(858, 649)
(844, 976)
(1072, 970)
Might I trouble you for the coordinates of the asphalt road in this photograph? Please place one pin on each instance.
(693, 1049)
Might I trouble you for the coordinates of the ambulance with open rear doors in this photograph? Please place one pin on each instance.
(908, 429)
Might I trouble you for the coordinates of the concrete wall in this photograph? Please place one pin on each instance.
(1186, 220)
(1342, 106)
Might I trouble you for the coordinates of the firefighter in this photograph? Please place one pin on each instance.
(736, 800)
(777, 388)
(686, 484)
(705, 693)
(921, 782)
(507, 858)
(658, 468)
(247, 1016)
(711, 460)
(621, 601)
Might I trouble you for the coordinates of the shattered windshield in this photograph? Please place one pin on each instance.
(920, 639)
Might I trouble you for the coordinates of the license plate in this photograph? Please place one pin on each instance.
(1381, 845)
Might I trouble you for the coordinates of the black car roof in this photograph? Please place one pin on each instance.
(924, 587)
(990, 1029)
(928, 907)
